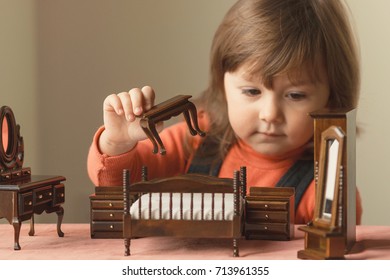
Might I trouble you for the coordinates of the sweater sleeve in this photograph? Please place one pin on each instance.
(105, 170)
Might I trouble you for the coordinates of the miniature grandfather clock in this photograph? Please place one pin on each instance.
(21, 194)
(332, 232)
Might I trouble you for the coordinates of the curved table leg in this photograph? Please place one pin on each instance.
(32, 228)
(189, 124)
(145, 127)
(17, 225)
(194, 115)
(60, 214)
(153, 130)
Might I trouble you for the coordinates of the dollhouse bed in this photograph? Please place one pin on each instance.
(190, 205)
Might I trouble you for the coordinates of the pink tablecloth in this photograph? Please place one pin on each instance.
(373, 242)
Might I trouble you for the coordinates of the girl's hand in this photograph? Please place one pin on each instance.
(122, 129)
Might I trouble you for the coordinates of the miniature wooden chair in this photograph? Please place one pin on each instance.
(164, 111)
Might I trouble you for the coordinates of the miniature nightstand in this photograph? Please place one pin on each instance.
(270, 213)
(107, 212)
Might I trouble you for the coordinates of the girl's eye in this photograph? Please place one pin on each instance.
(251, 91)
(296, 96)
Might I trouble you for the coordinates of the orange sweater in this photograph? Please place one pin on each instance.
(263, 171)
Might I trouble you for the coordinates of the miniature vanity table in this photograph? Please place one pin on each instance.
(20, 200)
(21, 194)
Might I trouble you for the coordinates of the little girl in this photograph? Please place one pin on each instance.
(273, 62)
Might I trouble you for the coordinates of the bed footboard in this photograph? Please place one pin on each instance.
(188, 205)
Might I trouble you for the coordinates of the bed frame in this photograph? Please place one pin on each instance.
(143, 224)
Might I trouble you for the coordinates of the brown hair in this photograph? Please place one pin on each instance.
(276, 36)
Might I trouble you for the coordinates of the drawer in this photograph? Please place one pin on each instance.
(107, 204)
(267, 205)
(59, 194)
(107, 215)
(266, 228)
(267, 216)
(42, 195)
(26, 205)
(107, 234)
(107, 226)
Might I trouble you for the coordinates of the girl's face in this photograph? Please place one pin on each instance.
(274, 121)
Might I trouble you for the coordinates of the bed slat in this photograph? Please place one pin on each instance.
(150, 206)
(223, 206)
(202, 207)
(160, 206)
(170, 206)
(181, 206)
(192, 206)
(140, 205)
(212, 205)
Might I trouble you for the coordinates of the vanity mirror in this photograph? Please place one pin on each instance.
(11, 148)
(21, 194)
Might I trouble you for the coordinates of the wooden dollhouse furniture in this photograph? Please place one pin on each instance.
(164, 111)
(332, 233)
(189, 205)
(106, 210)
(21, 194)
(270, 213)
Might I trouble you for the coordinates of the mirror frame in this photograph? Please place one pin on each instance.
(8, 155)
(330, 134)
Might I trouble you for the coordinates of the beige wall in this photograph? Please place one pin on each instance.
(372, 21)
(61, 58)
(18, 63)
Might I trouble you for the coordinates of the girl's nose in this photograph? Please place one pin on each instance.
(270, 110)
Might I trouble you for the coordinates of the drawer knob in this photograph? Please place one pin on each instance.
(111, 215)
(266, 205)
(50, 193)
(111, 226)
(110, 204)
(266, 216)
(29, 203)
(40, 196)
(62, 195)
(266, 228)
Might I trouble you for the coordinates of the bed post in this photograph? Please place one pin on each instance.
(144, 173)
(243, 181)
(236, 208)
(126, 208)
